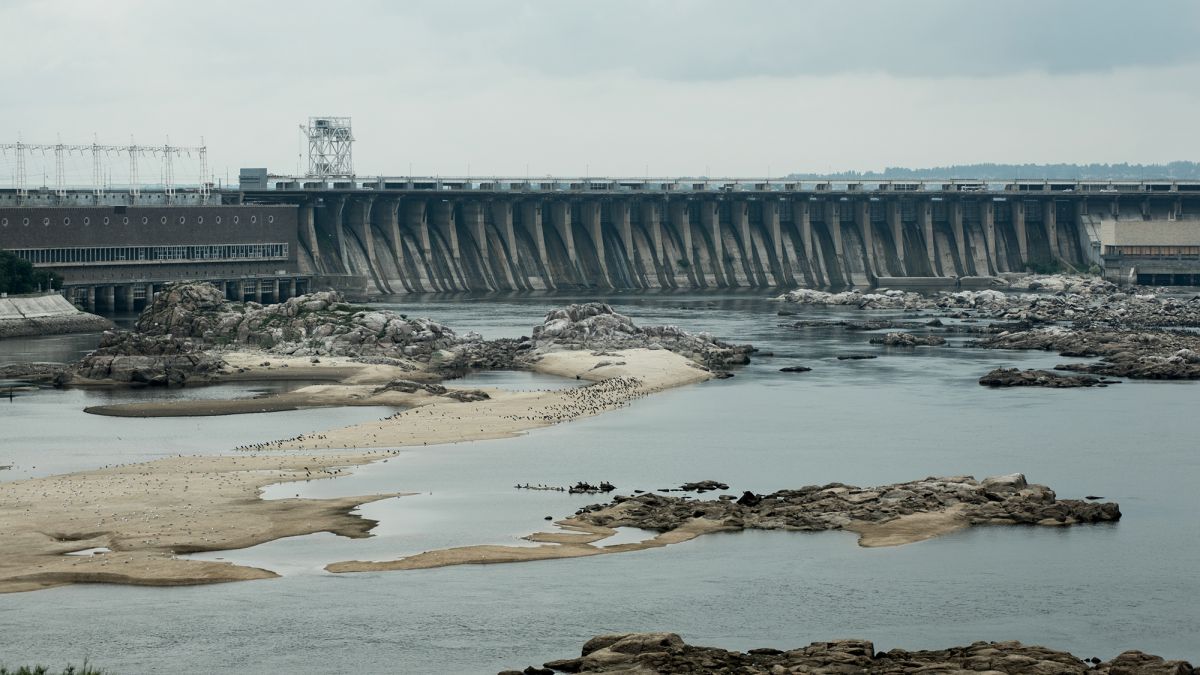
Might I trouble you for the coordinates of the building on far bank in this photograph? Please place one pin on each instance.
(114, 257)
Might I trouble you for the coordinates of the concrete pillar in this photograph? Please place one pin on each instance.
(416, 220)
(91, 299)
(333, 214)
(651, 215)
(360, 223)
(149, 293)
(925, 214)
(385, 217)
(802, 217)
(590, 212)
(771, 225)
(681, 222)
(110, 298)
(473, 220)
(710, 221)
(987, 215)
(619, 211)
(445, 220)
(560, 218)
(833, 220)
(1050, 217)
(896, 225)
(306, 222)
(258, 290)
(1018, 217)
(960, 241)
(127, 292)
(863, 218)
(531, 217)
(502, 219)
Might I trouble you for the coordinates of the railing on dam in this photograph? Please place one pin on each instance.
(553, 184)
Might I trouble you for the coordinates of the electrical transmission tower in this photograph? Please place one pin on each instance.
(330, 144)
(100, 155)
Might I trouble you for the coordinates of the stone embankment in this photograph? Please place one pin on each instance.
(1007, 500)
(45, 314)
(667, 653)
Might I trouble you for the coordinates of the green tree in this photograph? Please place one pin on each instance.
(17, 275)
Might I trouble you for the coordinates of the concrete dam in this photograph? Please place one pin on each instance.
(440, 239)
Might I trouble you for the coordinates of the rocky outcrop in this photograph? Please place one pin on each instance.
(1159, 354)
(596, 326)
(145, 359)
(317, 324)
(909, 340)
(1015, 377)
(650, 653)
(996, 500)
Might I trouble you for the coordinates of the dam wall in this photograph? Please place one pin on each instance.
(414, 242)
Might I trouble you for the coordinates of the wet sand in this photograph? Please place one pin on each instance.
(146, 513)
(579, 539)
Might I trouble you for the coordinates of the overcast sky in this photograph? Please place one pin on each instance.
(613, 87)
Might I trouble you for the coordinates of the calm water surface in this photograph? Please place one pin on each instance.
(1094, 590)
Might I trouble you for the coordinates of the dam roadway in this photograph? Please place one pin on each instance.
(408, 235)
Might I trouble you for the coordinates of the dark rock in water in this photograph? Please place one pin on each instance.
(909, 340)
(703, 486)
(795, 369)
(1014, 377)
(467, 395)
(749, 499)
(856, 357)
(649, 653)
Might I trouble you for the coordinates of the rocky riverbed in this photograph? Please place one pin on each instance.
(667, 653)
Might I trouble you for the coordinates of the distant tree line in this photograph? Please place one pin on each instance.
(999, 172)
(17, 275)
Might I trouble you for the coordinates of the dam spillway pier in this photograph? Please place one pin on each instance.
(268, 241)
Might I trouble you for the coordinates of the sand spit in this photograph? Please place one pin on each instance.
(618, 378)
(147, 513)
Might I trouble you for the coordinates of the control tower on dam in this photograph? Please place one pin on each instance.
(411, 235)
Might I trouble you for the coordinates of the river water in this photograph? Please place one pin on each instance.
(1092, 590)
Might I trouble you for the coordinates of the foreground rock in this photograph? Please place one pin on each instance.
(648, 653)
(1015, 377)
(1007, 500)
(596, 326)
